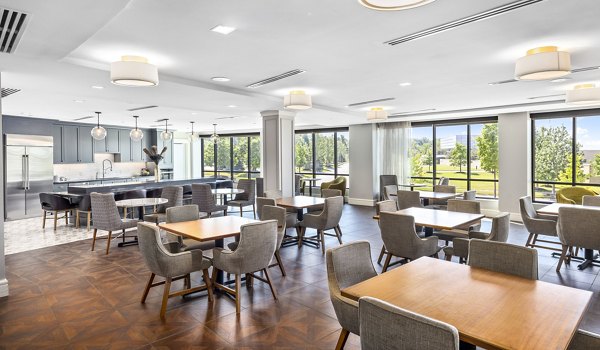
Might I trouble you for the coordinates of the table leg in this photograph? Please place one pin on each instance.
(219, 243)
(589, 259)
(224, 199)
(466, 346)
(428, 231)
(310, 188)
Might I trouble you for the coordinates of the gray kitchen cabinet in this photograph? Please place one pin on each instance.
(57, 139)
(100, 146)
(69, 144)
(112, 140)
(86, 145)
(124, 146)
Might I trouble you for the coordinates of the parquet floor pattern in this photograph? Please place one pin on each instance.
(67, 297)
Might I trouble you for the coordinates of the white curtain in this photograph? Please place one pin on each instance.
(393, 140)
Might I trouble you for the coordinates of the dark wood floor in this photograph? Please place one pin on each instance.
(69, 297)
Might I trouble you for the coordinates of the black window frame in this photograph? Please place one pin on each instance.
(206, 140)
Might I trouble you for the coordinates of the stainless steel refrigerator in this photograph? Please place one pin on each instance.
(28, 171)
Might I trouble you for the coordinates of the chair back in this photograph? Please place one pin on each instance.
(463, 206)
(257, 245)
(408, 199)
(133, 194)
(153, 252)
(153, 193)
(260, 187)
(273, 194)
(385, 326)
(503, 257)
(202, 196)
(398, 233)
(182, 213)
(500, 227)
(105, 214)
(387, 180)
(272, 212)
(328, 192)
(249, 186)
(470, 195)
(579, 227)
(573, 195)
(347, 265)
(386, 206)
(297, 184)
(332, 211)
(444, 181)
(389, 192)
(85, 204)
(260, 203)
(174, 195)
(444, 188)
(591, 201)
(50, 201)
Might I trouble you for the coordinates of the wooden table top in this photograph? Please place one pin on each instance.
(208, 229)
(311, 179)
(412, 185)
(299, 202)
(439, 219)
(437, 195)
(552, 209)
(231, 191)
(141, 202)
(491, 310)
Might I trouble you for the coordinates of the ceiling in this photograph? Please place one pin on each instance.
(67, 48)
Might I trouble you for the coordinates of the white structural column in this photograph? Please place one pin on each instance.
(3, 281)
(278, 147)
(363, 165)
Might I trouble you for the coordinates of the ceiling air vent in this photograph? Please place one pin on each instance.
(401, 114)
(545, 96)
(463, 21)
(275, 78)
(84, 118)
(371, 101)
(140, 108)
(9, 91)
(12, 26)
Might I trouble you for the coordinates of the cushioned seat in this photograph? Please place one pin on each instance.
(339, 183)
(573, 195)
(105, 215)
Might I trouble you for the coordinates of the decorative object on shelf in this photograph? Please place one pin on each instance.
(98, 132)
(156, 158)
(377, 114)
(214, 138)
(194, 137)
(543, 63)
(393, 5)
(133, 71)
(136, 134)
(583, 94)
(145, 172)
(166, 135)
(298, 100)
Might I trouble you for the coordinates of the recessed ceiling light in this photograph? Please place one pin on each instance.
(232, 106)
(223, 29)
(194, 113)
(405, 84)
(97, 87)
(79, 101)
(220, 79)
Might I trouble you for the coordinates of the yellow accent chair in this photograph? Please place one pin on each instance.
(573, 195)
(339, 183)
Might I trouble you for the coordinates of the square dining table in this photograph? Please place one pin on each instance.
(438, 219)
(428, 195)
(491, 310)
(299, 203)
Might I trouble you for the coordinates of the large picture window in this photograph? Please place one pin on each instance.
(566, 152)
(465, 152)
(237, 156)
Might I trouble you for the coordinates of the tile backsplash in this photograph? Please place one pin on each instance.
(88, 171)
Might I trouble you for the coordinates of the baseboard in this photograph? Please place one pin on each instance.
(361, 201)
(4, 288)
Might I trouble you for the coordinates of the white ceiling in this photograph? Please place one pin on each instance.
(68, 45)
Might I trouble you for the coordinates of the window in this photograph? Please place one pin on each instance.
(566, 152)
(238, 156)
(465, 152)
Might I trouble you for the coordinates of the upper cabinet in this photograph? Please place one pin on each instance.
(72, 144)
(86, 145)
(112, 140)
(167, 162)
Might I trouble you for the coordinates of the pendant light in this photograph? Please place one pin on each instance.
(166, 135)
(298, 100)
(377, 114)
(98, 132)
(393, 5)
(543, 63)
(136, 134)
(193, 137)
(214, 138)
(133, 71)
(583, 94)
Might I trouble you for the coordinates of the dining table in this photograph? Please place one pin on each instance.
(312, 181)
(299, 204)
(491, 310)
(224, 193)
(140, 204)
(412, 186)
(427, 196)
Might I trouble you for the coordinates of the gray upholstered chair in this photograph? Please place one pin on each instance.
(260, 187)
(391, 206)
(170, 266)
(385, 326)
(174, 195)
(291, 217)
(271, 212)
(328, 218)
(203, 197)
(441, 203)
(537, 224)
(387, 180)
(577, 227)
(408, 199)
(186, 213)
(330, 192)
(347, 265)
(254, 252)
(470, 195)
(400, 238)
(106, 217)
(444, 181)
(584, 340)
(498, 233)
(460, 206)
(261, 202)
(245, 199)
(503, 257)
(591, 201)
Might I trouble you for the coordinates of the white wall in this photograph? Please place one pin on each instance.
(363, 165)
(3, 281)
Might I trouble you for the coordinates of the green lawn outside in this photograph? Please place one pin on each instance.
(484, 189)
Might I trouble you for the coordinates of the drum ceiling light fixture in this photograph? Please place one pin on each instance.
(393, 5)
(377, 114)
(583, 94)
(298, 100)
(133, 71)
(543, 63)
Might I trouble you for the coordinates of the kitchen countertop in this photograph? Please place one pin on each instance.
(105, 179)
(137, 185)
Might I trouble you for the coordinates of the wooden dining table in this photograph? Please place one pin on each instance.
(438, 219)
(491, 310)
(299, 203)
(428, 195)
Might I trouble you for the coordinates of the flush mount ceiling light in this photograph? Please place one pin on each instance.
(98, 132)
(377, 114)
(222, 29)
(393, 5)
(298, 100)
(166, 135)
(583, 94)
(136, 134)
(543, 63)
(220, 79)
(214, 138)
(133, 71)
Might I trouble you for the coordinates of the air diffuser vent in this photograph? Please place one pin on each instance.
(275, 78)
(232, 117)
(140, 108)
(84, 118)
(12, 26)
(401, 114)
(371, 101)
(545, 96)
(9, 91)
(463, 21)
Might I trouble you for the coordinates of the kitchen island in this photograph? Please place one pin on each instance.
(147, 185)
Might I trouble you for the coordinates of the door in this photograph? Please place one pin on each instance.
(15, 182)
(40, 178)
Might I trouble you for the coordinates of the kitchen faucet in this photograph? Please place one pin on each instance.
(105, 168)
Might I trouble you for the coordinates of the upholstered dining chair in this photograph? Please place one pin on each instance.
(174, 195)
(245, 199)
(470, 195)
(387, 180)
(390, 206)
(347, 265)
(584, 340)
(171, 266)
(577, 227)
(401, 240)
(84, 207)
(105, 216)
(325, 193)
(498, 233)
(260, 187)
(298, 185)
(253, 253)
(291, 217)
(202, 196)
(460, 206)
(182, 213)
(537, 224)
(503, 257)
(55, 204)
(591, 201)
(408, 199)
(338, 183)
(385, 326)
(327, 219)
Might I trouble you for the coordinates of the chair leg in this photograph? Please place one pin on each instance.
(165, 298)
(528, 243)
(279, 262)
(301, 236)
(108, 241)
(213, 278)
(67, 217)
(381, 255)
(270, 283)
(187, 282)
(342, 339)
(44, 220)
(387, 262)
(249, 281)
(209, 285)
(563, 256)
(254, 211)
(321, 235)
(94, 239)
(77, 219)
(241, 211)
(89, 219)
(55, 219)
(238, 295)
(148, 286)
(338, 233)
(448, 257)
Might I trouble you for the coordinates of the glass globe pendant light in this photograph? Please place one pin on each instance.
(166, 135)
(98, 132)
(214, 138)
(193, 137)
(136, 134)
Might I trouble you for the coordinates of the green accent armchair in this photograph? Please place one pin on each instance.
(339, 183)
(573, 195)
